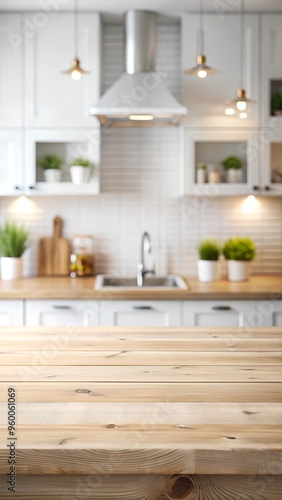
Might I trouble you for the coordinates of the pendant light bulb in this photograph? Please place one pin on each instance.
(201, 69)
(202, 73)
(241, 100)
(75, 75)
(75, 70)
(241, 105)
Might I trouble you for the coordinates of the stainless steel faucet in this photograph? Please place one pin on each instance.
(142, 268)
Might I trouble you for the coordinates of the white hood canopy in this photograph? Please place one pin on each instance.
(138, 97)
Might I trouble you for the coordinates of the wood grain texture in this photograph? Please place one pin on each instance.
(206, 403)
(172, 392)
(168, 374)
(174, 414)
(190, 345)
(258, 287)
(54, 252)
(44, 256)
(53, 356)
(149, 487)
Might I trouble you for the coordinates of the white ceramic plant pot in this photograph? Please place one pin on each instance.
(201, 176)
(79, 174)
(52, 175)
(207, 270)
(11, 268)
(234, 175)
(237, 270)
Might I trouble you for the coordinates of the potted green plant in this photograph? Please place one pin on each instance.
(276, 104)
(209, 251)
(51, 165)
(238, 253)
(13, 243)
(233, 166)
(80, 169)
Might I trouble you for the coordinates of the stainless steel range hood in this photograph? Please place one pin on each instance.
(139, 97)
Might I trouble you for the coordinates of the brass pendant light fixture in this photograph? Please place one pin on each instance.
(75, 70)
(201, 69)
(241, 101)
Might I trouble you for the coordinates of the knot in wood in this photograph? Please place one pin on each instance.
(179, 487)
(82, 391)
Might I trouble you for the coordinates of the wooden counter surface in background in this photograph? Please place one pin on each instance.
(258, 287)
(143, 413)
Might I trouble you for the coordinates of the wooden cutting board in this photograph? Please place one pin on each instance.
(54, 252)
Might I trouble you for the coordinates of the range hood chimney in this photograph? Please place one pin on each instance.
(138, 97)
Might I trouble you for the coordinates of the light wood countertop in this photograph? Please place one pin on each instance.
(143, 413)
(258, 287)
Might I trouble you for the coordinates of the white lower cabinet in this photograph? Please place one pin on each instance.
(269, 312)
(140, 313)
(202, 313)
(230, 313)
(68, 313)
(11, 313)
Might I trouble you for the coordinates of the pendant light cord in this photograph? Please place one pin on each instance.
(201, 30)
(242, 37)
(75, 29)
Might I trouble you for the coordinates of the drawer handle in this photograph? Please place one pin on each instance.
(144, 308)
(221, 308)
(62, 307)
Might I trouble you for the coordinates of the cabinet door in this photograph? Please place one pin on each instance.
(11, 171)
(212, 147)
(11, 44)
(270, 143)
(52, 97)
(269, 312)
(68, 313)
(219, 313)
(140, 313)
(11, 313)
(271, 66)
(207, 98)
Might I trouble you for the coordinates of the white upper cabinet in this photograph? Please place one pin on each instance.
(54, 99)
(270, 143)
(11, 45)
(206, 98)
(271, 67)
(11, 171)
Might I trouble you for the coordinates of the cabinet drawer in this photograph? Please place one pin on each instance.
(219, 313)
(66, 313)
(140, 313)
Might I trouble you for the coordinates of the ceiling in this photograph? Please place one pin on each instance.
(112, 9)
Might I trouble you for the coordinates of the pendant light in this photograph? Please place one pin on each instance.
(241, 100)
(75, 70)
(201, 69)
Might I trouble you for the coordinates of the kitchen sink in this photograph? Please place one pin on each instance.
(158, 282)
